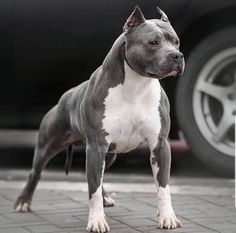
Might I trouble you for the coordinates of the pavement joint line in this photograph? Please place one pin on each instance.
(117, 187)
(125, 208)
(63, 195)
(213, 203)
(124, 223)
(201, 225)
(20, 224)
(146, 203)
(7, 198)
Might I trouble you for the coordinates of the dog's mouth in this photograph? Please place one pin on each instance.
(172, 73)
(152, 75)
(178, 71)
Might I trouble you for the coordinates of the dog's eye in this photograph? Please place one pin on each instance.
(154, 43)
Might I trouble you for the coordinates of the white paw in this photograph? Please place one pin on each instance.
(23, 207)
(97, 223)
(165, 212)
(168, 220)
(108, 201)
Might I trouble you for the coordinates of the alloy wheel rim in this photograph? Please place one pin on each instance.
(214, 101)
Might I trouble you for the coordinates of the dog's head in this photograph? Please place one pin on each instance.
(152, 46)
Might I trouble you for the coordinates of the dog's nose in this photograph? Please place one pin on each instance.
(177, 57)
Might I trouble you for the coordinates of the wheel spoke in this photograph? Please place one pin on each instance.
(212, 90)
(223, 127)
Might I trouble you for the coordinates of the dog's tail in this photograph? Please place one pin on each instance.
(69, 158)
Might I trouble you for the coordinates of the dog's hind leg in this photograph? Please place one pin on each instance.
(53, 137)
(107, 200)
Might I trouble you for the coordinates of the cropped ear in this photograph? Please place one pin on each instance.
(163, 15)
(135, 19)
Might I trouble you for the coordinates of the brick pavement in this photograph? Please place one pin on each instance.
(56, 211)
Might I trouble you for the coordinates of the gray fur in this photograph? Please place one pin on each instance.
(69, 158)
(162, 154)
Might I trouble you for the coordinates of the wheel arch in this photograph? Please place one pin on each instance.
(213, 21)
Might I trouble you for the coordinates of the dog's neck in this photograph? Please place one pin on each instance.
(135, 85)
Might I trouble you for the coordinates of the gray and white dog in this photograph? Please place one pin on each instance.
(121, 106)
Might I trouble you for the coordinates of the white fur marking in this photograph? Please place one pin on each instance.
(167, 218)
(132, 112)
(165, 212)
(97, 221)
(23, 207)
(108, 201)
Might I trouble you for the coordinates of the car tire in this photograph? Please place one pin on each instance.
(206, 101)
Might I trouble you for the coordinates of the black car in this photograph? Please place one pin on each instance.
(47, 47)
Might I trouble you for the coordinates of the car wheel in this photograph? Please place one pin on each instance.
(206, 100)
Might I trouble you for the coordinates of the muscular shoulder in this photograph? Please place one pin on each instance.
(164, 110)
(164, 102)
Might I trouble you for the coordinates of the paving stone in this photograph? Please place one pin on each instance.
(219, 200)
(3, 220)
(41, 195)
(138, 222)
(21, 217)
(22, 224)
(74, 195)
(65, 220)
(13, 230)
(10, 194)
(4, 201)
(66, 205)
(116, 210)
(40, 207)
(126, 230)
(228, 231)
(43, 229)
(74, 230)
(116, 224)
(6, 209)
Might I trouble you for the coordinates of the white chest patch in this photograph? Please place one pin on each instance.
(132, 112)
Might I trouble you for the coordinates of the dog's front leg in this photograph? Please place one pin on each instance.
(160, 161)
(95, 165)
